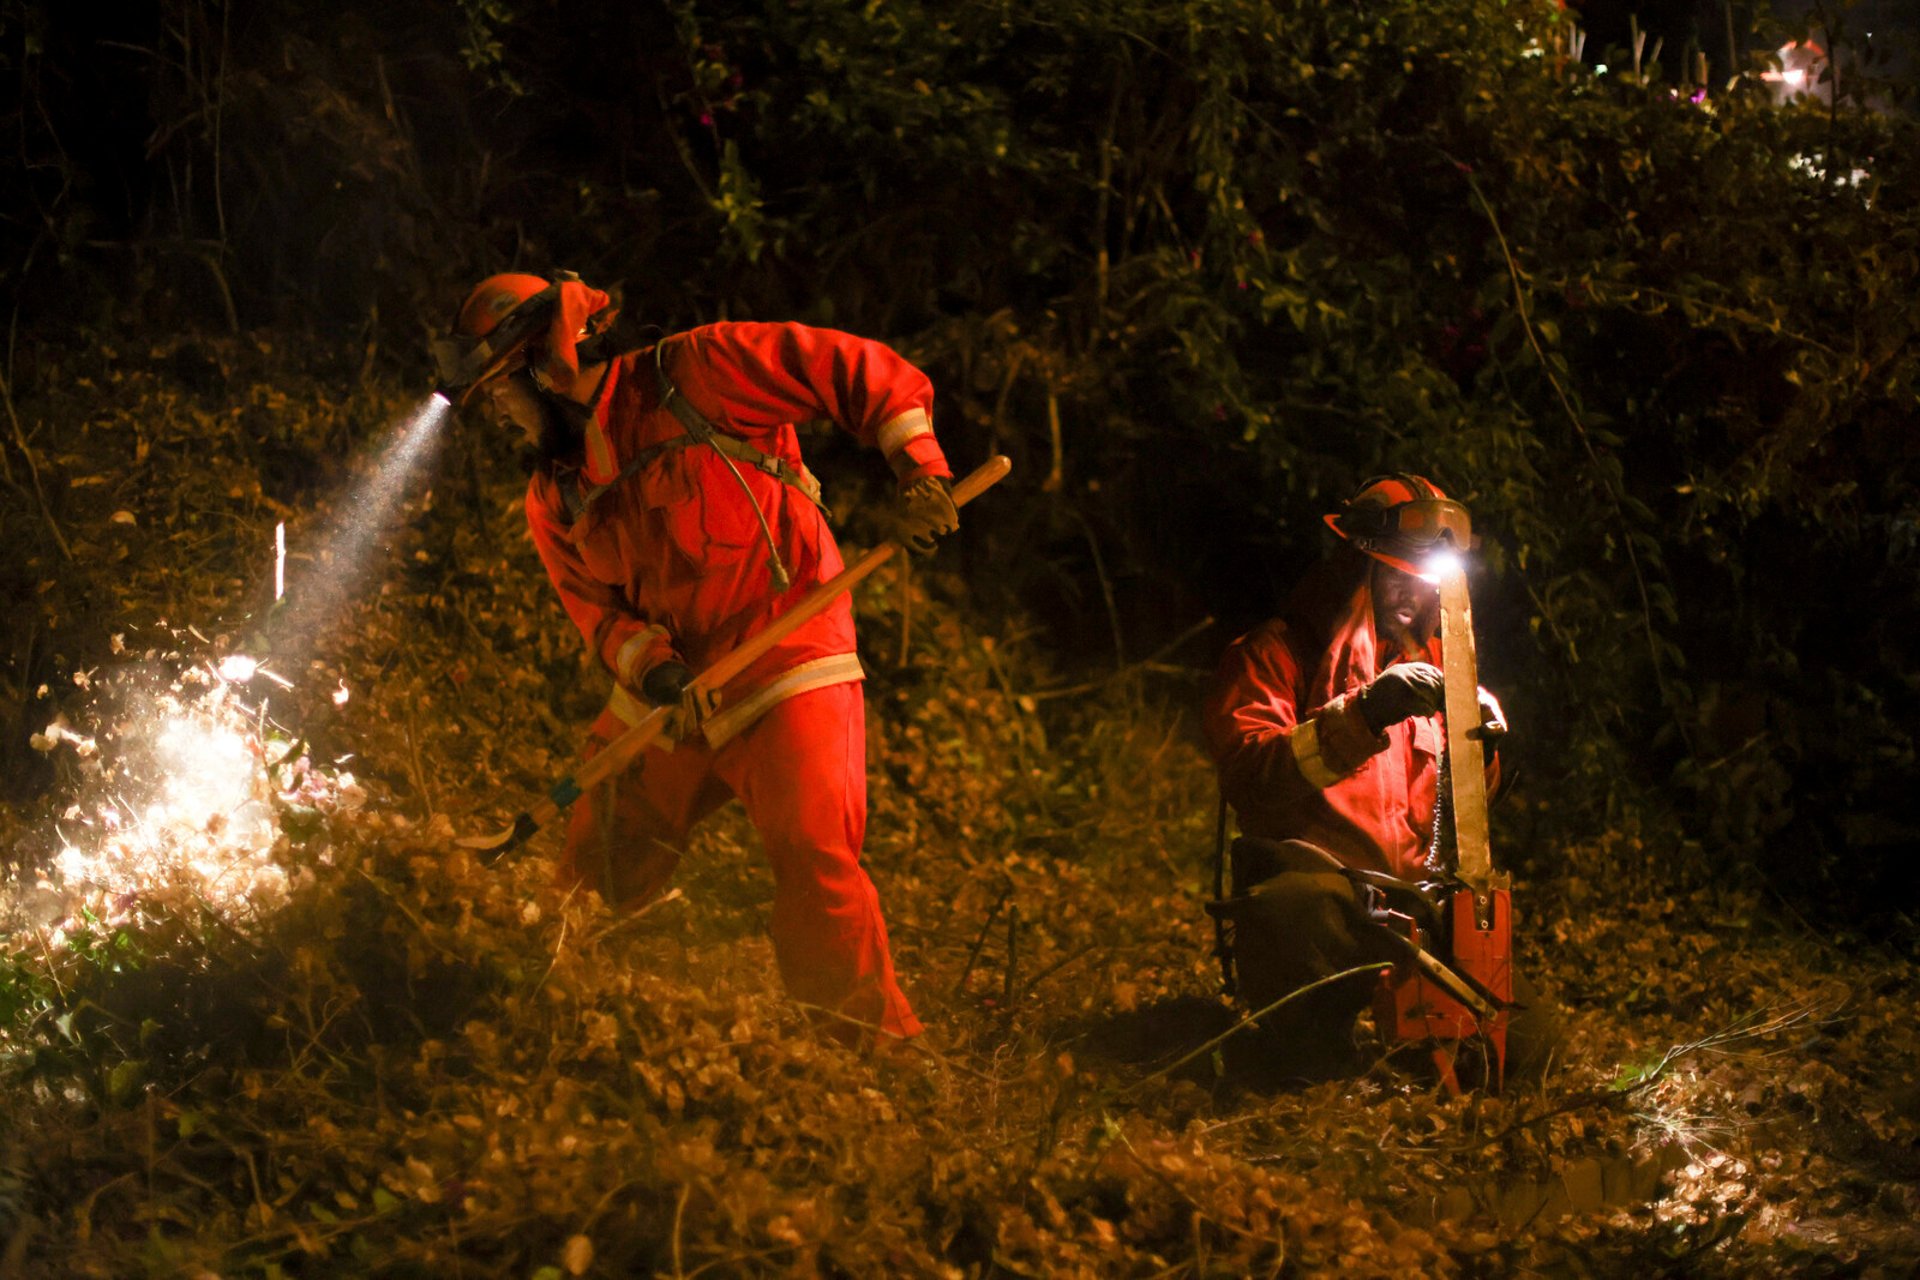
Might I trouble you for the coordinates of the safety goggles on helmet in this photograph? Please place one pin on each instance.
(1403, 519)
(465, 362)
(1414, 526)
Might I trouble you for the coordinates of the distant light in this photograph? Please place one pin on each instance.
(1599, 68)
(1795, 77)
(341, 695)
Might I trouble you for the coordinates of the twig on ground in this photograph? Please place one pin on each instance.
(973, 954)
(1253, 1018)
(913, 1044)
(906, 609)
(413, 757)
(33, 469)
(679, 1218)
(1013, 956)
(1058, 965)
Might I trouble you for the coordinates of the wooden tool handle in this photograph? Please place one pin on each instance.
(616, 755)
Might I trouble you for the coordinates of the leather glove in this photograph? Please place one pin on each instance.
(927, 513)
(670, 684)
(666, 683)
(1402, 690)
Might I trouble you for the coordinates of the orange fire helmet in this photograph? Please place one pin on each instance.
(1400, 519)
(513, 321)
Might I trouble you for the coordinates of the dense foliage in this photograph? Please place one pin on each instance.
(1198, 266)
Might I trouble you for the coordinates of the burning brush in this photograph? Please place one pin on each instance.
(187, 794)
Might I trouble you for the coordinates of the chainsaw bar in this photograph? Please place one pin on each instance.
(1468, 778)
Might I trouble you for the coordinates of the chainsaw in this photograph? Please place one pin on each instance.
(1453, 985)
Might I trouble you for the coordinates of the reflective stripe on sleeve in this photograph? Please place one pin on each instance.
(633, 649)
(1305, 744)
(896, 432)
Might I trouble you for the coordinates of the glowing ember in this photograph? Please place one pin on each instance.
(238, 668)
(180, 802)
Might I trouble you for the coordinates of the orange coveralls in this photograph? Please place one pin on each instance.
(1296, 761)
(667, 560)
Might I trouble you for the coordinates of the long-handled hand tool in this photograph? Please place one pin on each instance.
(619, 753)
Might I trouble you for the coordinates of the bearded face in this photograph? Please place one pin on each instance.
(550, 431)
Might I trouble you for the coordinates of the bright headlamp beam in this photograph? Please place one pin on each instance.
(1444, 562)
(364, 519)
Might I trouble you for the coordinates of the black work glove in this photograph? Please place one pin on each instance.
(666, 683)
(927, 513)
(1493, 721)
(1402, 690)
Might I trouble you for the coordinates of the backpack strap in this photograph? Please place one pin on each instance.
(700, 430)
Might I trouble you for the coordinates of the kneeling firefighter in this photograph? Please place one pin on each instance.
(1324, 726)
(672, 511)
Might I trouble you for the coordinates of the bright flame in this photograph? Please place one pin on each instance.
(182, 803)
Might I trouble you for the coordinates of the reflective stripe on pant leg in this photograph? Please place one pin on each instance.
(801, 773)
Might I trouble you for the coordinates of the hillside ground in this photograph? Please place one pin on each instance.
(301, 1034)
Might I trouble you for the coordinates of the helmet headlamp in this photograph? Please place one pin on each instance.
(465, 363)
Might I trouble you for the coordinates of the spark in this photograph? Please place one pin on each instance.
(175, 804)
(237, 668)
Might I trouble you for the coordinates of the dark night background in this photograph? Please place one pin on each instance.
(1199, 267)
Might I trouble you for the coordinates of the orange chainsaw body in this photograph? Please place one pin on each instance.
(1408, 1006)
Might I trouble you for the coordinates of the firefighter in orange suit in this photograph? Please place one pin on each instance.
(672, 510)
(1325, 726)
